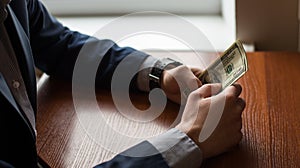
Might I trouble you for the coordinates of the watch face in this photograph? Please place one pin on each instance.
(170, 63)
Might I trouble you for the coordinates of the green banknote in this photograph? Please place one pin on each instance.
(228, 68)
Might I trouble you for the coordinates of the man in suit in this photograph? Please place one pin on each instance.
(30, 37)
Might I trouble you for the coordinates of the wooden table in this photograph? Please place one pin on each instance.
(271, 120)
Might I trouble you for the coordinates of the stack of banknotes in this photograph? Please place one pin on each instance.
(228, 68)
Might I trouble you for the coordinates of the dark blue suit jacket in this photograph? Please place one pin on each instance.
(40, 40)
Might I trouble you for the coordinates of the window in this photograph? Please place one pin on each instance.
(108, 7)
(215, 18)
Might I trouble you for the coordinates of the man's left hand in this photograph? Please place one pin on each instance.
(178, 82)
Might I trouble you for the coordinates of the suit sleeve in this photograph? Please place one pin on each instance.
(55, 47)
(143, 155)
(4, 164)
(170, 149)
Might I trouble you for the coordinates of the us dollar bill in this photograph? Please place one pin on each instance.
(228, 68)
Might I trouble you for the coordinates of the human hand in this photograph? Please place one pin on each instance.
(228, 131)
(181, 77)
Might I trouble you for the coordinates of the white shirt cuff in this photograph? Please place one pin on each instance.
(177, 149)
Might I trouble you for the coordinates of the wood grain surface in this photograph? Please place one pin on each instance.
(271, 120)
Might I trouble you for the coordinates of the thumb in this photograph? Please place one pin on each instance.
(196, 71)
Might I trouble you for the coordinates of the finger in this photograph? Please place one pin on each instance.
(241, 104)
(209, 90)
(199, 83)
(189, 79)
(192, 84)
(196, 71)
(239, 89)
(233, 90)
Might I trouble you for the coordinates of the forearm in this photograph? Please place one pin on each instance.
(56, 48)
(170, 149)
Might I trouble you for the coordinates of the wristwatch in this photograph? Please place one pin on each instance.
(157, 70)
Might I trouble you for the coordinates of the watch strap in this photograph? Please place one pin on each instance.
(157, 70)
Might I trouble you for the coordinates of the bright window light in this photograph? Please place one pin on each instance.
(108, 7)
(215, 18)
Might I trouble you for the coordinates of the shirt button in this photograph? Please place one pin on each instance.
(16, 84)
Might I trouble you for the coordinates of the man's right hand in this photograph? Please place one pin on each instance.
(228, 131)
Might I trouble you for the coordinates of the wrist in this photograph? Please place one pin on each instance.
(158, 71)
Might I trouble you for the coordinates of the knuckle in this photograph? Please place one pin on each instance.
(204, 90)
(196, 93)
(240, 105)
(183, 68)
(200, 94)
(238, 87)
(230, 97)
(206, 87)
(193, 93)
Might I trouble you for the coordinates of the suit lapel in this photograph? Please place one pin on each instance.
(24, 56)
(4, 89)
(23, 52)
